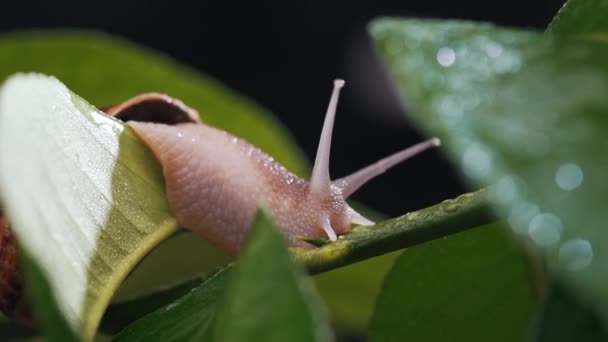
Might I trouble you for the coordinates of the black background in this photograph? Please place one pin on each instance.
(285, 54)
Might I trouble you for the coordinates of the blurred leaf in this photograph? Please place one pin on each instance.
(524, 111)
(581, 17)
(470, 286)
(189, 318)
(85, 197)
(564, 319)
(269, 298)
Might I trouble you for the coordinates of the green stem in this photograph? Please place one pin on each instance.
(449, 217)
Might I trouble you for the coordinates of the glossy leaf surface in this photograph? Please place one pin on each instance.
(82, 211)
(189, 318)
(524, 111)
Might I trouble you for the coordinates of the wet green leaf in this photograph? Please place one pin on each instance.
(53, 323)
(120, 315)
(471, 286)
(269, 298)
(82, 210)
(189, 318)
(524, 111)
(581, 17)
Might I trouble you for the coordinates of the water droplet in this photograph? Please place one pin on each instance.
(446, 57)
(476, 161)
(545, 229)
(520, 216)
(451, 207)
(171, 306)
(575, 254)
(493, 49)
(412, 216)
(179, 134)
(569, 176)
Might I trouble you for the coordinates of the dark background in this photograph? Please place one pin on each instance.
(285, 55)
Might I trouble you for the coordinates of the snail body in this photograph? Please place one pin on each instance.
(216, 182)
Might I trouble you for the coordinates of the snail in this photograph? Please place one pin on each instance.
(216, 182)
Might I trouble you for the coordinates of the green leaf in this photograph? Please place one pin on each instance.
(581, 17)
(189, 318)
(54, 325)
(563, 319)
(467, 287)
(119, 316)
(351, 307)
(269, 298)
(524, 111)
(82, 210)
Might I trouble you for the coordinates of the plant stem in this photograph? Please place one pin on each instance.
(449, 217)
